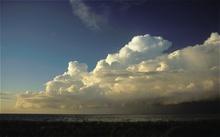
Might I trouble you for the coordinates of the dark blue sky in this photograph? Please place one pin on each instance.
(39, 38)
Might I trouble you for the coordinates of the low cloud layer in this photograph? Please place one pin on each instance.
(6, 95)
(91, 19)
(139, 75)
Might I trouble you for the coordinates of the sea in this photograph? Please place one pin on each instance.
(107, 117)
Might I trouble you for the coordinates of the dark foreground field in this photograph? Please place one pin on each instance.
(114, 129)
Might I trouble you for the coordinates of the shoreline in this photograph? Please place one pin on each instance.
(202, 128)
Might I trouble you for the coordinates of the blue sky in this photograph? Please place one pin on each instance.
(39, 38)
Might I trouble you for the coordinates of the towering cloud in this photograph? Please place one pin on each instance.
(87, 16)
(138, 49)
(139, 75)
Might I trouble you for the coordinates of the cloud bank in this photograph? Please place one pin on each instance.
(138, 75)
(6, 95)
(91, 19)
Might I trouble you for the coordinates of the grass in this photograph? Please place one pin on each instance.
(110, 129)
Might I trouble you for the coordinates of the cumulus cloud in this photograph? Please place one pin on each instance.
(139, 75)
(86, 15)
(138, 49)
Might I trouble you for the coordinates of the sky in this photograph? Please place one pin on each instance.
(107, 57)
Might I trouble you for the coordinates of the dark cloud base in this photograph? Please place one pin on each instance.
(199, 107)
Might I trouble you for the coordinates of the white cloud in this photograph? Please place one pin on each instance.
(86, 15)
(138, 49)
(138, 75)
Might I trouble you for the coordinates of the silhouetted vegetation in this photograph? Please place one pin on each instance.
(110, 129)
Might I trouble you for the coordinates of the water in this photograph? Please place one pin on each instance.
(106, 118)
